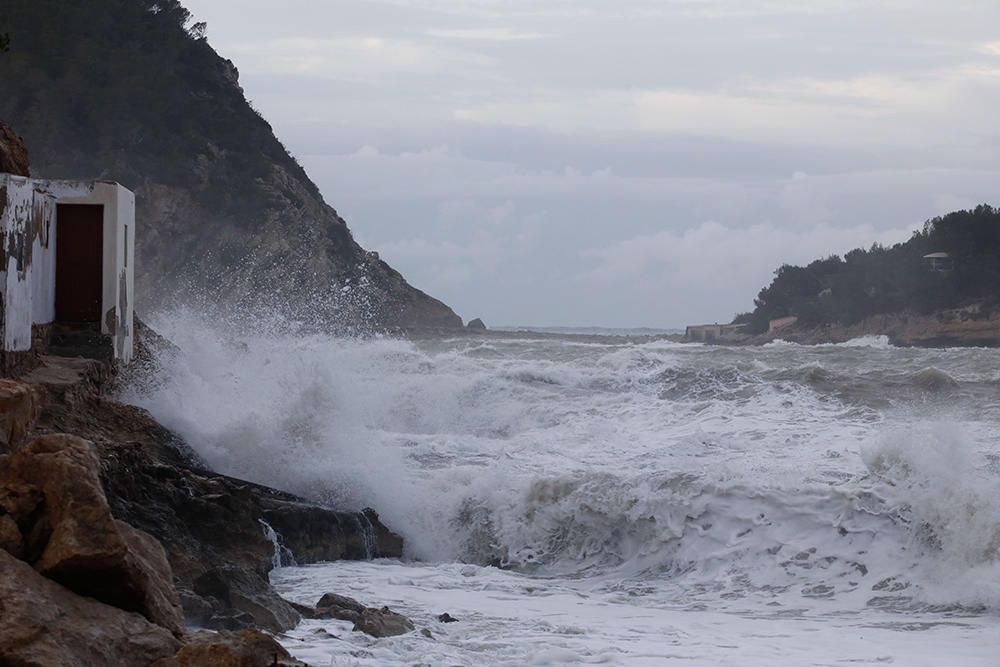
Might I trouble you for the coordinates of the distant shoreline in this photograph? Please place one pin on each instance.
(971, 326)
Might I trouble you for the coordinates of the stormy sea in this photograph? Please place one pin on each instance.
(609, 498)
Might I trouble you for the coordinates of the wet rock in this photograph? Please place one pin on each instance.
(341, 601)
(447, 618)
(427, 633)
(247, 648)
(239, 598)
(383, 623)
(331, 605)
(209, 524)
(72, 537)
(19, 409)
(46, 625)
(476, 324)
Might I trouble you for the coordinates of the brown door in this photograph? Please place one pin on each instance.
(79, 250)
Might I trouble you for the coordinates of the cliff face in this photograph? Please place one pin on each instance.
(121, 89)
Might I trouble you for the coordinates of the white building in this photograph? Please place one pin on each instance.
(67, 260)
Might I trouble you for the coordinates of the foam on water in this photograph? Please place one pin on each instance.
(655, 490)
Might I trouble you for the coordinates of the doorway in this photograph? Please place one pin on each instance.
(79, 262)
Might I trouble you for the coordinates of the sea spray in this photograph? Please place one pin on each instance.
(721, 474)
(282, 555)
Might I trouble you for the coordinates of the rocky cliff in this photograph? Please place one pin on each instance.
(126, 90)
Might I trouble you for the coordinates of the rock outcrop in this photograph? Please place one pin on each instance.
(211, 526)
(383, 623)
(247, 648)
(51, 489)
(374, 621)
(46, 625)
(476, 324)
(974, 325)
(13, 153)
(225, 214)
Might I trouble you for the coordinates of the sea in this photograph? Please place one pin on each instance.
(612, 497)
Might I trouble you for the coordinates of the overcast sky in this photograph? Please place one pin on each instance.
(623, 162)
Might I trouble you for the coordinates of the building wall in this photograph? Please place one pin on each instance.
(703, 332)
(27, 259)
(27, 256)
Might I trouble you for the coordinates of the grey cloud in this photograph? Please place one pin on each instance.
(642, 163)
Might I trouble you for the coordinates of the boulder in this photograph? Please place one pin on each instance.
(47, 625)
(13, 153)
(71, 536)
(147, 577)
(75, 532)
(383, 623)
(247, 648)
(339, 607)
(342, 601)
(238, 597)
(19, 409)
(476, 324)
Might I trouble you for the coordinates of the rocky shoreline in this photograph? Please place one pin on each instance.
(975, 325)
(116, 541)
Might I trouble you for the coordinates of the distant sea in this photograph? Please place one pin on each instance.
(592, 331)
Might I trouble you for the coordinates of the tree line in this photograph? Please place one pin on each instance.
(845, 290)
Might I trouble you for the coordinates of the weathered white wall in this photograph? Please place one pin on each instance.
(27, 223)
(27, 256)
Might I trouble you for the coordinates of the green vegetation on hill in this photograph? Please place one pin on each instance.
(886, 280)
(126, 82)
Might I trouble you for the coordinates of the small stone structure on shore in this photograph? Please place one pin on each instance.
(68, 255)
(708, 333)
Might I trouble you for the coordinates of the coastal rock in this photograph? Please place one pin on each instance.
(209, 524)
(47, 625)
(19, 408)
(476, 324)
(72, 537)
(13, 153)
(447, 618)
(147, 578)
(247, 648)
(339, 607)
(75, 530)
(342, 601)
(10, 536)
(239, 597)
(383, 623)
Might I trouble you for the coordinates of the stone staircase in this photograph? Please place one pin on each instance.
(79, 339)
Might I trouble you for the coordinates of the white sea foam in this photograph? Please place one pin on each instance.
(877, 342)
(651, 499)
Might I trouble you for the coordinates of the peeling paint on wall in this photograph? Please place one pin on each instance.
(28, 227)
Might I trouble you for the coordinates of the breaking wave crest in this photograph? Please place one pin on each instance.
(712, 472)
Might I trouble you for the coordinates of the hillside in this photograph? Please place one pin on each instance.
(128, 90)
(845, 291)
